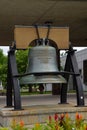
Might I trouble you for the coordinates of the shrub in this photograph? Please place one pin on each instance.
(63, 122)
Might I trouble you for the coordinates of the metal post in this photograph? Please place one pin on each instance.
(63, 96)
(9, 86)
(71, 64)
(13, 81)
(78, 81)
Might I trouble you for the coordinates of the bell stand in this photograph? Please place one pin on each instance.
(12, 79)
(71, 64)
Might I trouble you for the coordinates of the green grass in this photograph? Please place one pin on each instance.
(24, 92)
(72, 91)
(34, 93)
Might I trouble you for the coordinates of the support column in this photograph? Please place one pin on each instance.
(9, 86)
(78, 81)
(13, 81)
(63, 96)
(71, 64)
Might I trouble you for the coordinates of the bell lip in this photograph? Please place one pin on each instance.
(33, 79)
(46, 73)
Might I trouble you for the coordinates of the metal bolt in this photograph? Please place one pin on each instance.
(81, 97)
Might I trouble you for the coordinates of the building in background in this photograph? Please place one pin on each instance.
(81, 57)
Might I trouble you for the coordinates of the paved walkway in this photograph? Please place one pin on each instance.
(43, 99)
(49, 99)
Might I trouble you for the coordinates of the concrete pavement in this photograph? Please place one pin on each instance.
(43, 99)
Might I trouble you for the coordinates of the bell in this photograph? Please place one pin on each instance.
(42, 66)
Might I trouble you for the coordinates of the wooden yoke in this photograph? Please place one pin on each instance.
(24, 35)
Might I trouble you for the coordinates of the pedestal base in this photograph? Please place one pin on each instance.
(38, 113)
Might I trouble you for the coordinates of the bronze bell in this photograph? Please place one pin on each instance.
(42, 66)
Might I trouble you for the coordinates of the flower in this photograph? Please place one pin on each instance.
(64, 122)
(37, 125)
(56, 117)
(18, 126)
(79, 120)
(22, 123)
(67, 115)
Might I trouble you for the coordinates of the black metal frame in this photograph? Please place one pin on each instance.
(12, 82)
(71, 64)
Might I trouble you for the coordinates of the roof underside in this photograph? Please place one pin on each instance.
(62, 13)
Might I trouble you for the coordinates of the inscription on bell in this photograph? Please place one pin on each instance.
(42, 59)
(43, 56)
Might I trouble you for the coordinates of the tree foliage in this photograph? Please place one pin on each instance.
(22, 60)
(3, 68)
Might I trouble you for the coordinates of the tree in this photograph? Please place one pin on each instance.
(22, 60)
(3, 68)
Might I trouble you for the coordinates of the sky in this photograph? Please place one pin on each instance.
(6, 49)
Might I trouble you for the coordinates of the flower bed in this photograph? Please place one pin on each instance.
(63, 122)
(56, 122)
